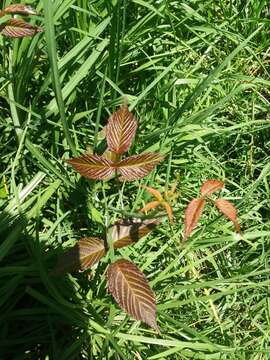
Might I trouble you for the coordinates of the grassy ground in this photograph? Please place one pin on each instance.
(196, 74)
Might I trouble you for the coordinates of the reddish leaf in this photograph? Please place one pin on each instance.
(121, 130)
(20, 9)
(126, 232)
(82, 256)
(169, 211)
(228, 209)
(131, 291)
(149, 206)
(210, 186)
(192, 215)
(16, 28)
(138, 166)
(153, 192)
(93, 166)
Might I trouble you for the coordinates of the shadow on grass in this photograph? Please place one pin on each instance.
(41, 316)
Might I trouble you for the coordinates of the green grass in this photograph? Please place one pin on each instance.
(197, 76)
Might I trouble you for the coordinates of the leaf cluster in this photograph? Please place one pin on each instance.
(120, 132)
(195, 207)
(18, 28)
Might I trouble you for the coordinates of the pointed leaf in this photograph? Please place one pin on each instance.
(126, 232)
(121, 130)
(153, 192)
(131, 291)
(149, 206)
(192, 215)
(16, 28)
(138, 166)
(169, 211)
(82, 256)
(228, 209)
(20, 9)
(93, 166)
(210, 186)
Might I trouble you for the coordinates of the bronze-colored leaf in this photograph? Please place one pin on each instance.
(121, 130)
(228, 209)
(138, 166)
(126, 232)
(82, 256)
(131, 291)
(210, 186)
(192, 215)
(17, 28)
(20, 9)
(93, 166)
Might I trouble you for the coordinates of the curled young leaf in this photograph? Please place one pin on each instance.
(192, 215)
(20, 9)
(131, 291)
(82, 256)
(126, 232)
(121, 130)
(228, 209)
(17, 28)
(93, 166)
(138, 166)
(211, 186)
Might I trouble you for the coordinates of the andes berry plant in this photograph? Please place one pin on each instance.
(195, 207)
(17, 28)
(126, 282)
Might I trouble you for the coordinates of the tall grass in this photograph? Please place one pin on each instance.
(197, 77)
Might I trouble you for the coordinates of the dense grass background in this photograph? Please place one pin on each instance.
(196, 74)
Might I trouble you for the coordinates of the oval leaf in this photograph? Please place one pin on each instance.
(121, 130)
(228, 209)
(16, 28)
(138, 166)
(93, 166)
(192, 215)
(20, 9)
(131, 291)
(126, 232)
(82, 256)
(210, 186)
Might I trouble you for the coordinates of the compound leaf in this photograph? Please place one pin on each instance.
(192, 215)
(228, 209)
(121, 130)
(138, 166)
(210, 186)
(131, 291)
(93, 166)
(16, 28)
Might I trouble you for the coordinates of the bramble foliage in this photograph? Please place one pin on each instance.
(17, 28)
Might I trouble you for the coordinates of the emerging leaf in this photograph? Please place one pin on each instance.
(131, 291)
(93, 166)
(210, 186)
(126, 232)
(20, 9)
(192, 215)
(228, 209)
(153, 192)
(121, 130)
(138, 166)
(150, 206)
(82, 256)
(16, 28)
